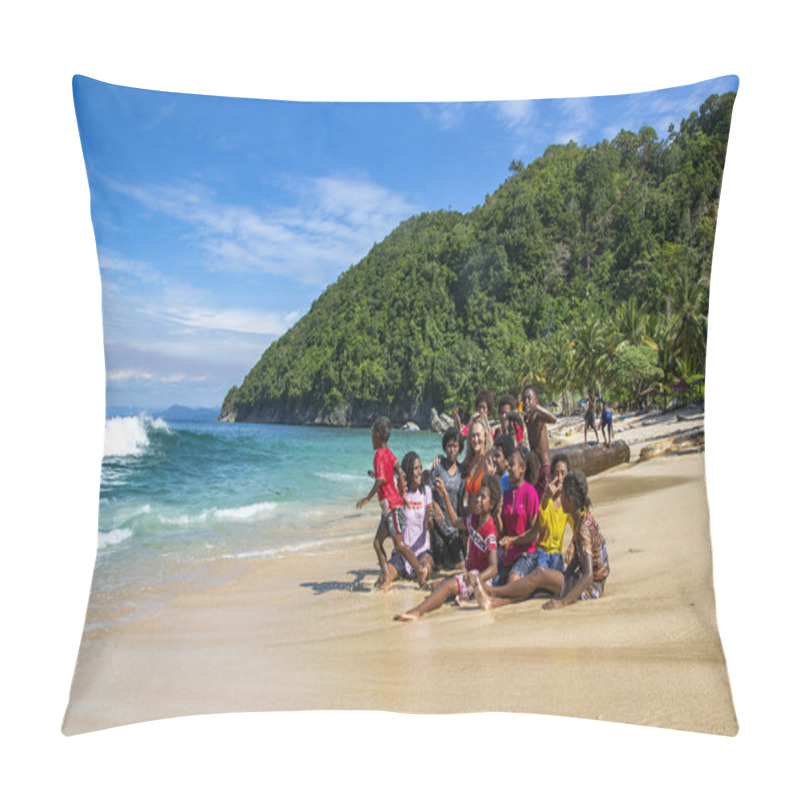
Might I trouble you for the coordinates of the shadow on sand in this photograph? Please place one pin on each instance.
(355, 585)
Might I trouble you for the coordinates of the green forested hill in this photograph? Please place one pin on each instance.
(587, 267)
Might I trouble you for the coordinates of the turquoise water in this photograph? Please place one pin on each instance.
(178, 497)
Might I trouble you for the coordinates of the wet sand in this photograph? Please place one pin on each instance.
(307, 632)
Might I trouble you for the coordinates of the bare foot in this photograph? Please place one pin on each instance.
(384, 584)
(484, 601)
(409, 616)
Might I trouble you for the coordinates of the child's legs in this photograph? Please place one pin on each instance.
(443, 591)
(548, 580)
(380, 536)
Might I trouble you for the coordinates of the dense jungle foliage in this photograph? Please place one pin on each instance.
(588, 267)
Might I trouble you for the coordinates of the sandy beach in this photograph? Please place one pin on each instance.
(308, 632)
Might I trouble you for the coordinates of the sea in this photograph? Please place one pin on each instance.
(177, 500)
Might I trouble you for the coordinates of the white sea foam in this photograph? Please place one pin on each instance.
(113, 537)
(340, 477)
(127, 436)
(246, 512)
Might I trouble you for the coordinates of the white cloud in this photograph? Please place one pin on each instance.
(516, 113)
(233, 320)
(332, 224)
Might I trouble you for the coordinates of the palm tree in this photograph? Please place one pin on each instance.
(632, 323)
(687, 301)
(558, 365)
(591, 358)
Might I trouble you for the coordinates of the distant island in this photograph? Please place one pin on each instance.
(174, 413)
(588, 267)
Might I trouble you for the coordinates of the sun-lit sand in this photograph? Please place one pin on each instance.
(307, 632)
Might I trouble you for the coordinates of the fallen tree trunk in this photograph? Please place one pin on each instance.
(596, 458)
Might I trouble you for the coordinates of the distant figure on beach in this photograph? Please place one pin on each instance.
(552, 520)
(476, 460)
(484, 403)
(536, 420)
(482, 550)
(587, 571)
(446, 543)
(588, 419)
(393, 518)
(511, 421)
(606, 423)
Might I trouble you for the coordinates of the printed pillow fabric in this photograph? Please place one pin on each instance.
(300, 296)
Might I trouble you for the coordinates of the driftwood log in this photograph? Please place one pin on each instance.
(594, 458)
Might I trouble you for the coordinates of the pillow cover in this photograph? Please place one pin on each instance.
(278, 276)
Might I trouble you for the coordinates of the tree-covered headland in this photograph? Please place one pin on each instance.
(588, 267)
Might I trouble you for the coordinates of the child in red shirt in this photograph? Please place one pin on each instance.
(393, 519)
(482, 550)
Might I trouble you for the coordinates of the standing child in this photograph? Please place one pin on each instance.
(606, 423)
(482, 550)
(510, 420)
(537, 419)
(589, 419)
(586, 573)
(484, 402)
(393, 518)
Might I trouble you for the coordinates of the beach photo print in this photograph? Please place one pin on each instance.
(403, 399)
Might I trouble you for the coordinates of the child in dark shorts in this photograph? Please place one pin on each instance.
(446, 540)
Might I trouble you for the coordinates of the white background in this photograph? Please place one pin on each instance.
(52, 398)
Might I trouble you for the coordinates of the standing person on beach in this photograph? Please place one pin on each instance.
(482, 550)
(393, 519)
(510, 421)
(607, 417)
(484, 403)
(448, 549)
(589, 420)
(585, 575)
(537, 419)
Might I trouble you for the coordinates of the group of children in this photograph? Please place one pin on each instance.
(497, 519)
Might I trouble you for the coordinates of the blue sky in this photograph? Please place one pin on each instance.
(219, 220)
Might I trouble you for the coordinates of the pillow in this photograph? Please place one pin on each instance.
(298, 297)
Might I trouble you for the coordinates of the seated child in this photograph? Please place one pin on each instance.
(482, 550)
(501, 455)
(587, 571)
(552, 520)
(520, 510)
(448, 549)
(416, 536)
